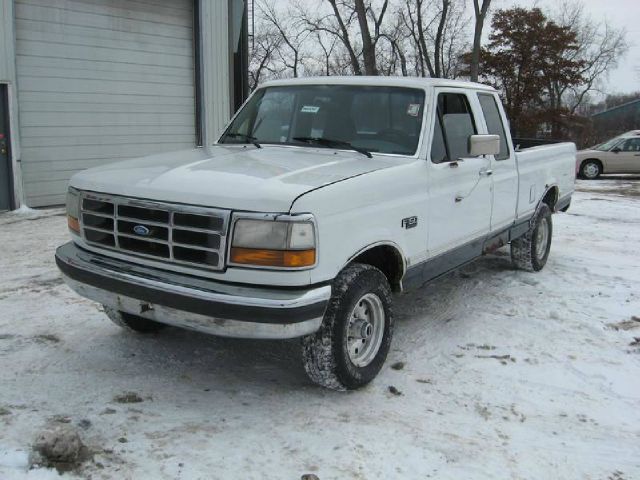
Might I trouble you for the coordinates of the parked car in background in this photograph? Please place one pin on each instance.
(322, 197)
(618, 155)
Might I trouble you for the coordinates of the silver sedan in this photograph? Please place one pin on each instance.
(618, 155)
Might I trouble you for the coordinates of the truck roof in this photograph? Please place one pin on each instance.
(413, 82)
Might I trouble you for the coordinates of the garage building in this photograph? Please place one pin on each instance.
(86, 82)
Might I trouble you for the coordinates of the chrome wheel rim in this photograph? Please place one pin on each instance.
(542, 238)
(365, 330)
(591, 170)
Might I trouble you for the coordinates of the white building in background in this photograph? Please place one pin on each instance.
(86, 82)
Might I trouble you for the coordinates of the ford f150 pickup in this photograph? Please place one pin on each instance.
(321, 198)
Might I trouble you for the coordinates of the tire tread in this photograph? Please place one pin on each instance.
(523, 248)
(318, 354)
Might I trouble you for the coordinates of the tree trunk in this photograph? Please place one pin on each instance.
(437, 54)
(355, 64)
(480, 14)
(368, 48)
(424, 52)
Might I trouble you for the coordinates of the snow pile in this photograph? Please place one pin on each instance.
(59, 446)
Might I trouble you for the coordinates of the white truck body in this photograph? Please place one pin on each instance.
(424, 217)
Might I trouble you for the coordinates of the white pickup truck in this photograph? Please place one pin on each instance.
(321, 198)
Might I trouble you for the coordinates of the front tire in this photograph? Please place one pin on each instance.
(132, 322)
(352, 344)
(590, 169)
(531, 251)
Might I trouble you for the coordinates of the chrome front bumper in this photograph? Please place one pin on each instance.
(190, 302)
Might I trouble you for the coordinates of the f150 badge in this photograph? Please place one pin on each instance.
(410, 222)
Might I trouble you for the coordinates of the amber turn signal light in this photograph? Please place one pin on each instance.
(73, 224)
(273, 258)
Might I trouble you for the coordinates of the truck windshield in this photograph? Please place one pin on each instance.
(363, 118)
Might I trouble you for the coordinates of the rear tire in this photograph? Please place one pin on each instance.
(590, 169)
(531, 251)
(349, 349)
(132, 322)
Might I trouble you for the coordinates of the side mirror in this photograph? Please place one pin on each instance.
(484, 145)
(616, 150)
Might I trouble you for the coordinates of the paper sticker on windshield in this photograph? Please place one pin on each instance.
(310, 109)
(413, 109)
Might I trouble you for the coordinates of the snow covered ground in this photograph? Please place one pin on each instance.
(506, 374)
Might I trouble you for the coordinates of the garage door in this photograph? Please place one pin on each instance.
(99, 81)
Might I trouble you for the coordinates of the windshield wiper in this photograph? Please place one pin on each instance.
(328, 142)
(251, 139)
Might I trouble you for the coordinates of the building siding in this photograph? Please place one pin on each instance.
(215, 67)
(100, 81)
(7, 61)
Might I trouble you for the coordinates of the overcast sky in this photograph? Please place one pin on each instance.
(620, 13)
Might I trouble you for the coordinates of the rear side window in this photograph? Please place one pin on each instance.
(454, 126)
(494, 122)
(631, 145)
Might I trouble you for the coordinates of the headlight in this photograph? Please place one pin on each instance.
(273, 243)
(73, 210)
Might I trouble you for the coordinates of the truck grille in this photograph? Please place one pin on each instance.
(179, 234)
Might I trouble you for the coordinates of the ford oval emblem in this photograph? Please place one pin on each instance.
(141, 230)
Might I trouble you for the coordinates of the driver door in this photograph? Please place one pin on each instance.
(460, 186)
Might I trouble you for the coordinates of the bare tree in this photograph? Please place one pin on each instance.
(327, 50)
(437, 46)
(360, 42)
(455, 41)
(480, 11)
(292, 37)
(396, 39)
(600, 47)
(261, 57)
(361, 37)
(434, 29)
(413, 18)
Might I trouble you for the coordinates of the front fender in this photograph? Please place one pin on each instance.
(366, 211)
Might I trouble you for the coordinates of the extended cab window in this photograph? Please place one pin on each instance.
(494, 122)
(375, 118)
(454, 126)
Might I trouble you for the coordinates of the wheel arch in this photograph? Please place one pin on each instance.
(387, 257)
(591, 159)
(551, 197)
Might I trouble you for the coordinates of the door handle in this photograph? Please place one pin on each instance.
(486, 172)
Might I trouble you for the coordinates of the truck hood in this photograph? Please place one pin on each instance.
(238, 177)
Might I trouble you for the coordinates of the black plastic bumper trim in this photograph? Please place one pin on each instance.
(72, 266)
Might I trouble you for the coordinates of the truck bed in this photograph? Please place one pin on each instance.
(541, 167)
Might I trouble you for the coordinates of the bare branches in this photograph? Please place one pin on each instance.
(600, 46)
(416, 37)
(291, 37)
(441, 23)
(343, 35)
(261, 58)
